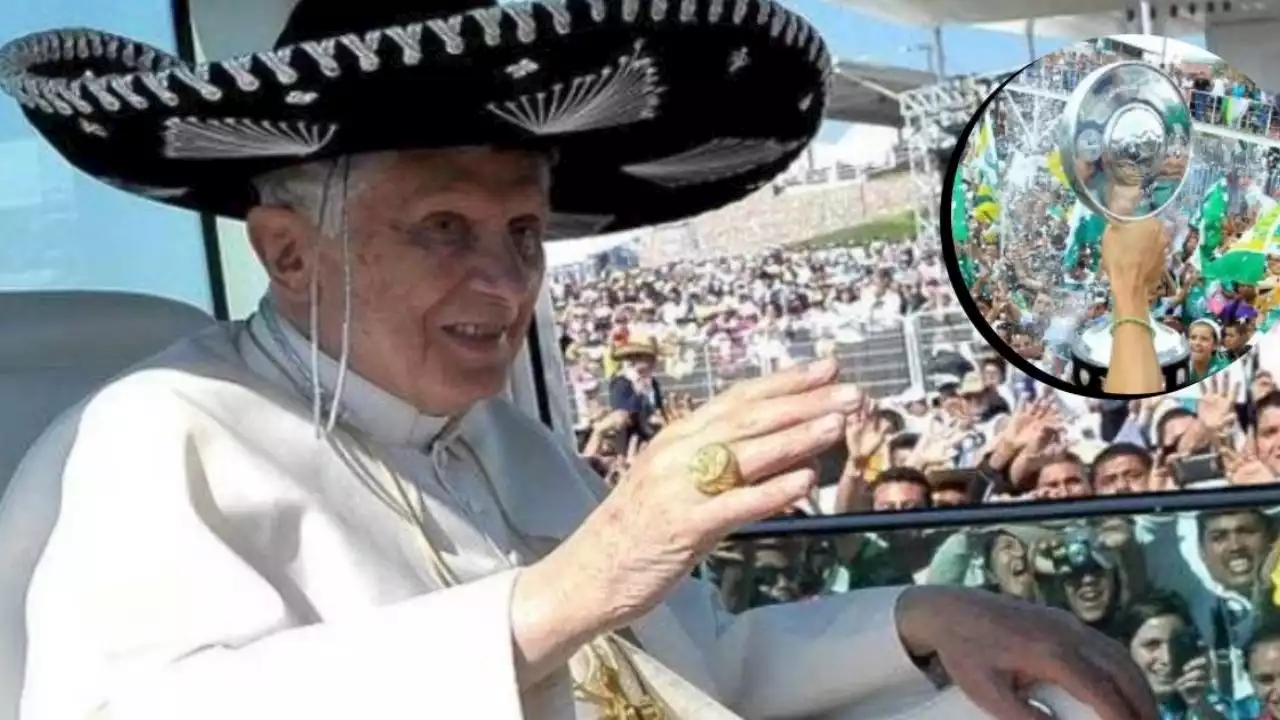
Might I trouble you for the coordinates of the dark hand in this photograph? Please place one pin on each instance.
(996, 649)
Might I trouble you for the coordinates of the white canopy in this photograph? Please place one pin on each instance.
(1176, 50)
(1065, 19)
(569, 252)
(866, 93)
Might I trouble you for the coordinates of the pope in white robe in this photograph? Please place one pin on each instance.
(213, 559)
(328, 511)
(220, 554)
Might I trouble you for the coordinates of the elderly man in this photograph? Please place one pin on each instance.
(329, 511)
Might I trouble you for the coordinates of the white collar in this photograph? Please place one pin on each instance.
(384, 417)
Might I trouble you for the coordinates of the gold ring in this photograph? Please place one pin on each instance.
(714, 470)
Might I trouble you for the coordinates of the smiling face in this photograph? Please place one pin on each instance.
(1202, 341)
(1090, 593)
(446, 262)
(1152, 650)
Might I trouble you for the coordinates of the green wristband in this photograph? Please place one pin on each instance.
(1145, 324)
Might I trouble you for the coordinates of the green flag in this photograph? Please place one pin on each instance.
(959, 214)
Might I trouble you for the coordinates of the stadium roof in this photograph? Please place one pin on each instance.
(867, 93)
(1066, 19)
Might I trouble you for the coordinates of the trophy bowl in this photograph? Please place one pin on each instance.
(1125, 142)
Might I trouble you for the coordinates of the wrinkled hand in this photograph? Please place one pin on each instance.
(996, 648)
(653, 528)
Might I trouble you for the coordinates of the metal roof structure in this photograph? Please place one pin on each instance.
(1071, 19)
(868, 93)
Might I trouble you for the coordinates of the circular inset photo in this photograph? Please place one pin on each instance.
(1110, 221)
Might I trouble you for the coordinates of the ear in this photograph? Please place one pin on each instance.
(283, 241)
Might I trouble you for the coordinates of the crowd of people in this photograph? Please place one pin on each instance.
(1030, 250)
(980, 432)
(1190, 596)
(1193, 597)
(720, 319)
(1216, 94)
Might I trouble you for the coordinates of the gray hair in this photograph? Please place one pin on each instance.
(320, 186)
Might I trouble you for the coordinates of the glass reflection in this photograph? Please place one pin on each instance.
(1192, 595)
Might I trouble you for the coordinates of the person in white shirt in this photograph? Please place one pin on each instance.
(330, 511)
(880, 306)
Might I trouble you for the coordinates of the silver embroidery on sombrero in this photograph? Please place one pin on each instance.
(524, 68)
(365, 48)
(409, 38)
(190, 138)
(154, 70)
(279, 63)
(241, 70)
(716, 160)
(158, 84)
(89, 127)
(738, 59)
(617, 96)
(71, 94)
(301, 97)
(598, 10)
(450, 32)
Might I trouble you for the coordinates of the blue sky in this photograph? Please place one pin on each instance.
(856, 36)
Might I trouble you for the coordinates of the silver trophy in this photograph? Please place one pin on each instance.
(1125, 141)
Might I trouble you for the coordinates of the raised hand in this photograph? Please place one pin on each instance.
(1037, 424)
(862, 435)
(1244, 467)
(653, 528)
(1193, 685)
(934, 449)
(1216, 407)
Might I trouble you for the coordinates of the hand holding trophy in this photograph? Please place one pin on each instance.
(1125, 145)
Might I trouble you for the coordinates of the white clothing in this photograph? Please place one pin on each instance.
(213, 559)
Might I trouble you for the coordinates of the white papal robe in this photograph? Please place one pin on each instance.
(213, 560)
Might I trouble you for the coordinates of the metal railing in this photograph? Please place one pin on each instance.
(877, 361)
(884, 361)
(1239, 114)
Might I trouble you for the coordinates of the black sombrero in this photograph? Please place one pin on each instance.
(656, 109)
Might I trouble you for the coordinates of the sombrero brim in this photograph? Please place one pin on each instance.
(657, 109)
